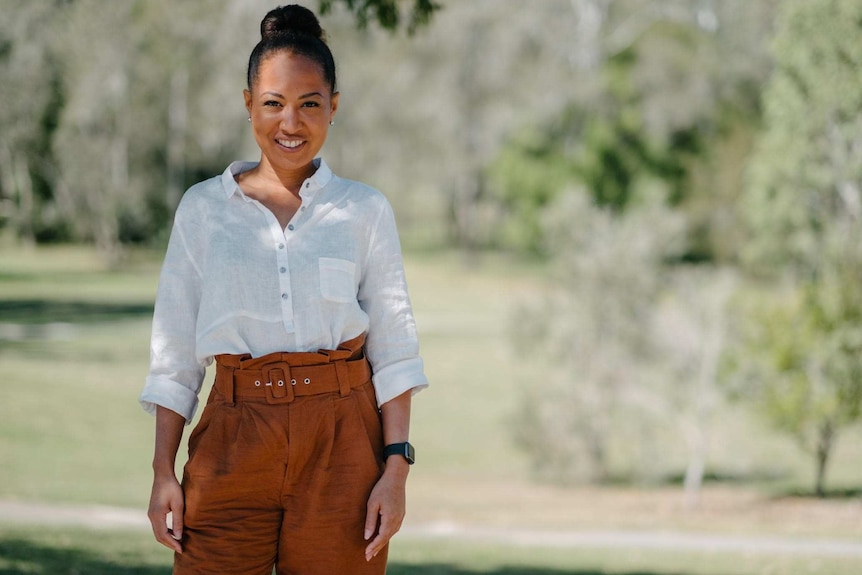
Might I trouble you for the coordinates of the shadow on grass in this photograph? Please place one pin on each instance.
(850, 493)
(20, 557)
(435, 569)
(717, 476)
(40, 311)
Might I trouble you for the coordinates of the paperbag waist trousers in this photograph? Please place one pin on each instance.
(281, 465)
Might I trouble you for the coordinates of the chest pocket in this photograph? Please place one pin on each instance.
(337, 280)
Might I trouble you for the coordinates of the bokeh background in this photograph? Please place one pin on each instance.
(632, 234)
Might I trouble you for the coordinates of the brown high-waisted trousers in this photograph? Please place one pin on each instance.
(281, 466)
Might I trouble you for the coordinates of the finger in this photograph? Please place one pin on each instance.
(371, 519)
(177, 522)
(168, 541)
(375, 546)
(163, 535)
(389, 526)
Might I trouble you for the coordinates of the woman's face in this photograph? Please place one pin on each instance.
(290, 106)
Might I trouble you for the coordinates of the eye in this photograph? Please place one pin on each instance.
(310, 105)
(272, 103)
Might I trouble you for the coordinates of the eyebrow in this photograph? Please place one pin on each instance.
(304, 96)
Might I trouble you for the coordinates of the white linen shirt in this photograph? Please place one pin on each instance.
(233, 281)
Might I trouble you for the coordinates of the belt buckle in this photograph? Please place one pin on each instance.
(278, 383)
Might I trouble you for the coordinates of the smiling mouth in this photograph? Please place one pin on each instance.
(290, 144)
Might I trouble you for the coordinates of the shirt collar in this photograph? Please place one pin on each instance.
(318, 179)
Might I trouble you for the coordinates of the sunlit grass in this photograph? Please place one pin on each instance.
(462, 426)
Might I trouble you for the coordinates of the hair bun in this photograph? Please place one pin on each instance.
(293, 18)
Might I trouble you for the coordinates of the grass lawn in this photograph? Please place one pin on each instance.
(74, 352)
(85, 552)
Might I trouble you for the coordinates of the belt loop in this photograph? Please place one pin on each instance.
(343, 375)
(228, 388)
(354, 345)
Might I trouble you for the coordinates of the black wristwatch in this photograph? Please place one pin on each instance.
(404, 449)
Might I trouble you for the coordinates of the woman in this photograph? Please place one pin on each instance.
(291, 279)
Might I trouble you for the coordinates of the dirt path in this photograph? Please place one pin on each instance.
(92, 516)
(655, 540)
(101, 517)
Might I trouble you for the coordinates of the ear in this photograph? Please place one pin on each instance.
(246, 94)
(333, 105)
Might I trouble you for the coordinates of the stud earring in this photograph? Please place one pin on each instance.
(249, 118)
(331, 122)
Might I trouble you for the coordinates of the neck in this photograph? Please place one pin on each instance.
(291, 180)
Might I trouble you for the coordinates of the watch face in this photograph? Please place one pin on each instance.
(404, 449)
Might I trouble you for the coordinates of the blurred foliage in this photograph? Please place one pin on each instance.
(802, 353)
(799, 364)
(594, 328)
(386, 12)
(663, 112)
(606, 151)
(803, 203)
(771, 187)
(109, 115)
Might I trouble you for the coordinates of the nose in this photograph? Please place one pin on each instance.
(289, 120)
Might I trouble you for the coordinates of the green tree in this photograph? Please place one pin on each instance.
(668, 101)
(109, 115)
(796, 360)
(803, 206)
(33, 96)
(387, 13)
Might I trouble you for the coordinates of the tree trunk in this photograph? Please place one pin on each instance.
(596, 449)
(713, 329)
(825, 441)
(586, 52)
(8, 206)
(694, 471)
(26, 205)
(177, 126)
(107, 225)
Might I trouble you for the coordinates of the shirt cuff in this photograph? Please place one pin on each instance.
(395, 379)
(169, 394)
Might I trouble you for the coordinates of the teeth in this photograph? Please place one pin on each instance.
(289, 143)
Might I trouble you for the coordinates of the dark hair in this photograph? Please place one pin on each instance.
(292, 29)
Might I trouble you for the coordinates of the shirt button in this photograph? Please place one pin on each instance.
(281, 246)
(284, 296)
(282, 270)
(290, 227)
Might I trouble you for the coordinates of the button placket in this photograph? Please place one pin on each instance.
(282, 256)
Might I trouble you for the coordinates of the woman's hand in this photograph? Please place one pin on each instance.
(386, 506)
(387, 503)
(167, 497)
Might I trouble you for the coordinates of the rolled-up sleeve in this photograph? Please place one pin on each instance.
(176, 374)
(392, 344)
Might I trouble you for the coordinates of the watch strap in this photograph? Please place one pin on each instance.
(403, 449)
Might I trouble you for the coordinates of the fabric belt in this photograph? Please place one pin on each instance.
(282, 376)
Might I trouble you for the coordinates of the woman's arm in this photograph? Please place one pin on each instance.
(388, 498)
(167, 494)
(392, 348)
